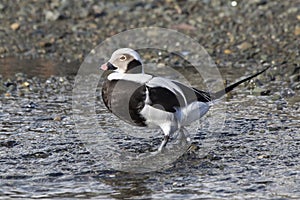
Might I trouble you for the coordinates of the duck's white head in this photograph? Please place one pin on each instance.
(124, 60)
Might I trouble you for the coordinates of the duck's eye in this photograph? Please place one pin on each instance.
(123, 58)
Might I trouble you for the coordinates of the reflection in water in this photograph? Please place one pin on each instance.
(127, 185)
(40, 67)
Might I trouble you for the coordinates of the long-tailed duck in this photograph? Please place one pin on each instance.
(150, 101)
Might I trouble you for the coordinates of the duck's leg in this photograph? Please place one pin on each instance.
(164, 142)
(182, 138)
(183, 135)
(167, 132)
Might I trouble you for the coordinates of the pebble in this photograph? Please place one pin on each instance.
(245, 46)
(227, 51)
(184, 26)
(51, 15)
(262, 156)
(15, 26)
(160, 65)
(7, 94)
(25, 84)
(297, 30)
(57, 118)
(177, 184)
(2, 50)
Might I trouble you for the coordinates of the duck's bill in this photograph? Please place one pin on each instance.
(104, 67)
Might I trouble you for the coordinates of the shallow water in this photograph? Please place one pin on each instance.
(255, 155)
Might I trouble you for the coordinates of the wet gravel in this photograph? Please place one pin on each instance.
(254, 156)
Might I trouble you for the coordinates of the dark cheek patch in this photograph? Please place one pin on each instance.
(111, 66)
(134, 66)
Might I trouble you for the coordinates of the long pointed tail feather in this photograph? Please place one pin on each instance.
(221, 93)
(204, 96)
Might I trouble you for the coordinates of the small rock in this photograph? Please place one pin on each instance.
(262, 156)
(244, 46)
(30, 105)
(276, 96)
(296, 86)
(47, 42)
(231, 37)
(177, 8)
(177, 184)
(9, 144)
(297, 30)
(7, 94)
(256, 91)
(15, 26)
(265, 93)
(3, 50)
(184, 26)
(25, 84)
(227, 51)
(51, 16)
(287, 92)
(57, 118)
(83, 13)
(2, 6)
(160, 65)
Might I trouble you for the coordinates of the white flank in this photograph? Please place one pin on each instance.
(159, 118)
(191, 113)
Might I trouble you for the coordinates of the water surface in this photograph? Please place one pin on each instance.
(254, 156)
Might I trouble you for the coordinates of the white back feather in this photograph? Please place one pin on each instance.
(138, 78)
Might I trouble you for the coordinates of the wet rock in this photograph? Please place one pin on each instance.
(265, 93)
(35, 155)
(276, 96)
(178, 184)
(9, 143)
(296, 86)
(55, 174)
(287, 92)
(30, 105)
(57, 118)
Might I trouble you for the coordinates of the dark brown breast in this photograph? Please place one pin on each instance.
(125, 99)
